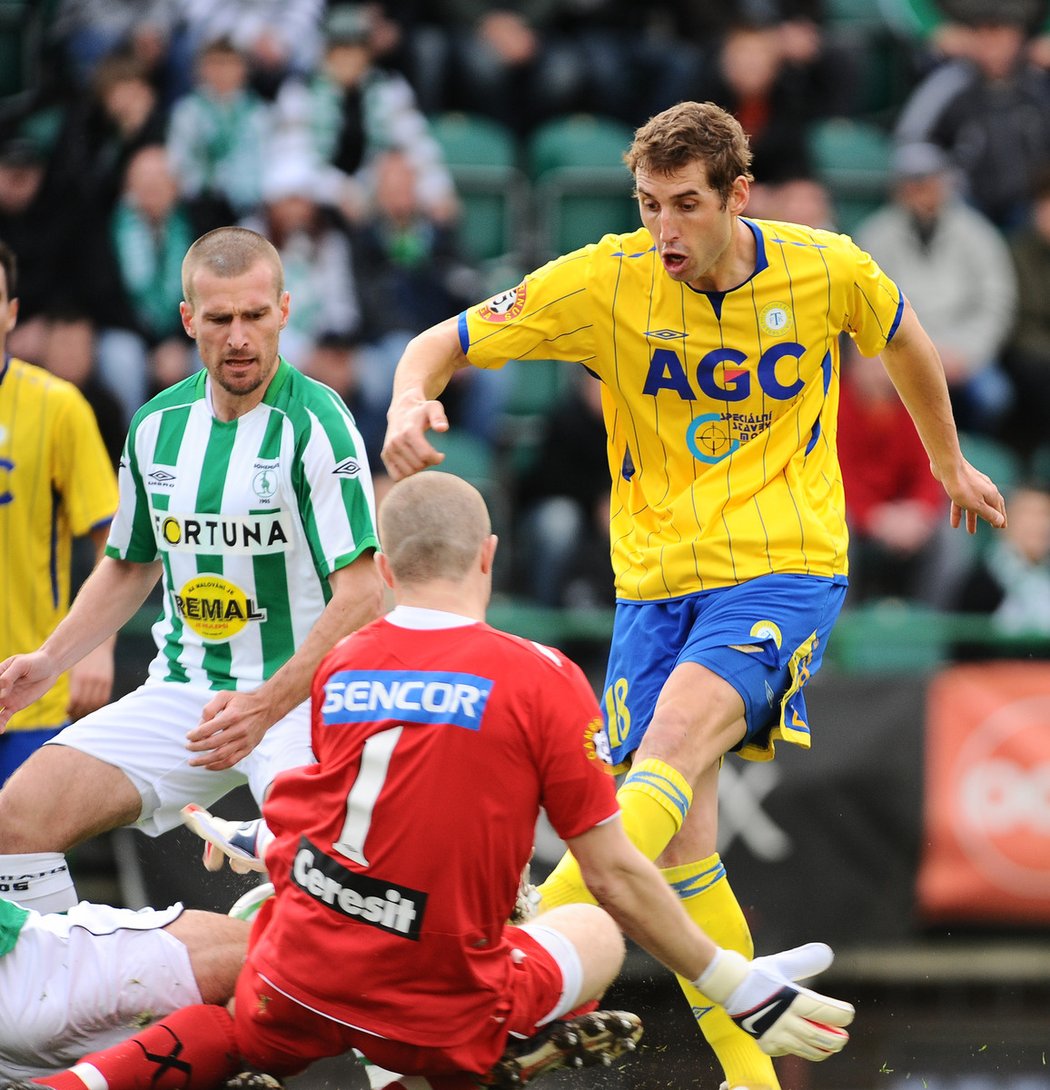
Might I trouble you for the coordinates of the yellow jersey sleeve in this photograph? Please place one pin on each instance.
(720, 408)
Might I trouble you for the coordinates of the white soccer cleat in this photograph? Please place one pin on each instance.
(237, 841)
(247, 906)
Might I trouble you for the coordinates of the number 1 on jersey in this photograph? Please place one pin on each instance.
(361, 799)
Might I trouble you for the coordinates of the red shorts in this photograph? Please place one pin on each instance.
(280, 1036)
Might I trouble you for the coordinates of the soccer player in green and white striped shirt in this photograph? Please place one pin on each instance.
(245, 489)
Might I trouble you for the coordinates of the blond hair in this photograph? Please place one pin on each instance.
(691, 131)
(229, 252)
(432, 526)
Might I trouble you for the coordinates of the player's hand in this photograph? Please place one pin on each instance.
(975, 495)
(406, 449)
(232, 725)
(762, 998)
(91, 681)
(23, 680)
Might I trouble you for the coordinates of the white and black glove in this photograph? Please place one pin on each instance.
(762, 998)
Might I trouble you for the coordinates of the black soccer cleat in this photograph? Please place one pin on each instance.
(596, 1038)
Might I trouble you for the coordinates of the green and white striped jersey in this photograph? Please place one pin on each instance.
(249, 518)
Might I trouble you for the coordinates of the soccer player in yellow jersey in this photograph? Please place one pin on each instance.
(716, 338)
(56, 483)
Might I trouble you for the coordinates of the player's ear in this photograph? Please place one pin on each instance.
(186, 314)
(384, 569)
(488, 553)
(739, 194)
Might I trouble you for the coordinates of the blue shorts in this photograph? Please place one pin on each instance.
(17, 745)
(766, 637)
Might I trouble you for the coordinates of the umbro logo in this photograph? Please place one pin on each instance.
(664, 334)
(161, 476)
(350, 468)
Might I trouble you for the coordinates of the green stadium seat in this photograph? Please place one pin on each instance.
(536, 387)
(1002, 465)
(482, 156)
(855, 14)
(852, 158)
(466, 456)
(582, 187)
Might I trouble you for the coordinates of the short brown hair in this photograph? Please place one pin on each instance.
(431, 526)
(688, 132)
(228, 252)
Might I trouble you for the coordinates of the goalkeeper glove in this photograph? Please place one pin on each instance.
(762, 998)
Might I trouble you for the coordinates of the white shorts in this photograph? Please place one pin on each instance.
(144, 735)
(83, 981)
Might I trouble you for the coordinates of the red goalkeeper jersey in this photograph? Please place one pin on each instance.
(397, 857)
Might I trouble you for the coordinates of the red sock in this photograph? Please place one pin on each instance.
(192, 1049)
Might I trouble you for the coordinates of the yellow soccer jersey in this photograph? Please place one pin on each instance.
(56, 482)
(720, 407)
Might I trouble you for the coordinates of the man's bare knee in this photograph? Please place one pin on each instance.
(598, 941)
(61, 797)
(217, 946)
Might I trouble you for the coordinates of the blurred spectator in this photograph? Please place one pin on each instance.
(350, 111)
(89, 31)
(562, 540)
(1027, 356)
(824, 68)
(1010, 579)
(102, 130)
(511, 61)
(142, 347)
(411, 275)
(317, 257)
(217, 136)
(900, 544)
(989, 108)
(336, 361)
(749, 77)
(944, 28)
(799, 199)
(41, 225)
(277, 38)
(955, 268)
(633, 66)
(69, 352)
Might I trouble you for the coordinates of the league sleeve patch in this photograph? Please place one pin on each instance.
(504, 307)
(596, 742)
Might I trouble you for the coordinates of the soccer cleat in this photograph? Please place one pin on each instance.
(233, 840)
(596, 1038)
(253, 1080)
(247, 906)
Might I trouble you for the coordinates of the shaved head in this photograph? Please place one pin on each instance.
(229, 252)
(432, 526)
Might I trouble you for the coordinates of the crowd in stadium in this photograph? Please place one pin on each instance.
(135, 127)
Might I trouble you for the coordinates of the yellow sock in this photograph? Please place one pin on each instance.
(710, 902)
(654, 800)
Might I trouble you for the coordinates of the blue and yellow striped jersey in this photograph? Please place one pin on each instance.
(56, 483)
(720, 407)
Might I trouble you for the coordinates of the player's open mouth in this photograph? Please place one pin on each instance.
(673, 262)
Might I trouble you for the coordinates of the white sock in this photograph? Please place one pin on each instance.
(39, 880)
